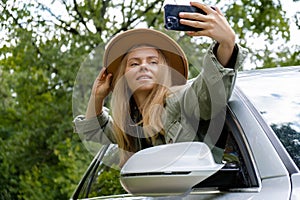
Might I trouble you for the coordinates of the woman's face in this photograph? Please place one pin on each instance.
(142, 69)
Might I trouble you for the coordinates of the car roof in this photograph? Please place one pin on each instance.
(274, 72)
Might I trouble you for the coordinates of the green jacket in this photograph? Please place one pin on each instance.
(201, 98)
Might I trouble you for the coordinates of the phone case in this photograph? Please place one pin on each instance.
(171, 17)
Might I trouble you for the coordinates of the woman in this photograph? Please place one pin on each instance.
(151, 102)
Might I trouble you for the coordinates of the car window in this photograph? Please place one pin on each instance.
(102, 177)
(276, 96)
(238, 171)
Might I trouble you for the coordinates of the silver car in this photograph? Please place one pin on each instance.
(261, 142)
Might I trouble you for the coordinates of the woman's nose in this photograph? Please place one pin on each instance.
(144, 66)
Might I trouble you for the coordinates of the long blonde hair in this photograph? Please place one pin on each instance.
(152, 109)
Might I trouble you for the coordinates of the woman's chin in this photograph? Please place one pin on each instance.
(144, 87)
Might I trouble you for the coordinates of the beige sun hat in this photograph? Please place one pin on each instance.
(123, 42)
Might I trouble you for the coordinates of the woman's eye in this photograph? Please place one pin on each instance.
(153, 62)
(134, 64)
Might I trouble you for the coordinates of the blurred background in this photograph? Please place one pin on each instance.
(43, 44)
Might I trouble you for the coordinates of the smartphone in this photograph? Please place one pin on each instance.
(171, 17)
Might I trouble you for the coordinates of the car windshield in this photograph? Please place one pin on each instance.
(276, 95)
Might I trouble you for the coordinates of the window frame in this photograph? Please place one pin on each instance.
(240, 139)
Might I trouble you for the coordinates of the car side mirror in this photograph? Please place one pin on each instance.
(171, 169)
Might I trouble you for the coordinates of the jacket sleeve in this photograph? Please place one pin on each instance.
(209, 92)
(98, 129)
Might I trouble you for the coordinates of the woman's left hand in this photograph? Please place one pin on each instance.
(214, 24)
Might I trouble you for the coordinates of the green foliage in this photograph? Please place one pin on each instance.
(259, 17)
(290, 139)
(264, 19)
(41, 180)
(41, 52)
(108, 183)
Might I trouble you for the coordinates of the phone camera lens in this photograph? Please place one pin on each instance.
(172, 22)
(169, 25)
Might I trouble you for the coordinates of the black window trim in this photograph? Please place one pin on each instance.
(243, 145)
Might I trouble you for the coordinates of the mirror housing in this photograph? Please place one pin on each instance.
(171, 169)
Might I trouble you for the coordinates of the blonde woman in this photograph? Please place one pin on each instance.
(152, 102)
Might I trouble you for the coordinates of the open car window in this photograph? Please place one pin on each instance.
(102, 176)
(238, 171)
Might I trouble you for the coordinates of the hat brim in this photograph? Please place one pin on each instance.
(121, 43)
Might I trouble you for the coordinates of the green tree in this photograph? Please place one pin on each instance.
(42, 47)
